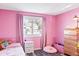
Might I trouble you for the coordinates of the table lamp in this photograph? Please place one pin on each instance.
(76, 18)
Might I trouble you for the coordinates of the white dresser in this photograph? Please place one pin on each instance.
(29, 46)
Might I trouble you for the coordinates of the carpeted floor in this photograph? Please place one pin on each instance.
(42, 53)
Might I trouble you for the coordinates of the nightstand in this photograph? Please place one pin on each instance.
(29, 47)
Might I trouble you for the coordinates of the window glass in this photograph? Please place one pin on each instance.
(32, 26)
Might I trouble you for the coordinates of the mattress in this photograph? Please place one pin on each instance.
(15, 49)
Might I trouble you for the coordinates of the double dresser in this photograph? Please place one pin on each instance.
(71, 44)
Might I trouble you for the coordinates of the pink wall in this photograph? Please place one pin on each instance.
(8, 25)
(65, 20)
(54, 25)
(50, 25)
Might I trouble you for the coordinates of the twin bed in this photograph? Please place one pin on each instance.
(14, 49)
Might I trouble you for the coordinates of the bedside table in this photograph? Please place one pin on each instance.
(29, 47)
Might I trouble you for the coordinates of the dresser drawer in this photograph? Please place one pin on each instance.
(29, 45)
(70, 42)
(70, 48)
(28, 50)
(70, 32)
(70, 52)
(70, 37)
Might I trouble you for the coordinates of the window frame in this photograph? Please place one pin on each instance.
(32, 34)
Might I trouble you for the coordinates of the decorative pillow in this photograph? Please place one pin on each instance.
(5, 44)
(1, 41)
(10, 41)
(1, 47)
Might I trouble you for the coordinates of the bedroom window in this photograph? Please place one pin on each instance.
(32, 26)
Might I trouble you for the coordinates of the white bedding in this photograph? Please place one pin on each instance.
(15, 49)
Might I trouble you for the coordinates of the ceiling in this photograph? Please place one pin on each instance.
(44, 8)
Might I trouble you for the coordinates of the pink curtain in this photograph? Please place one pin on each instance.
(44, 33)
(19, 28)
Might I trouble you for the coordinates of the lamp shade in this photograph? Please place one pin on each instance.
(76, 17)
